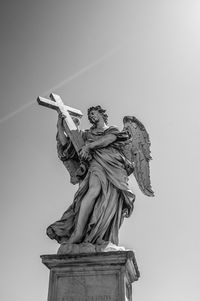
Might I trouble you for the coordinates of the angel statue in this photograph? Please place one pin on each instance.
(103, 198)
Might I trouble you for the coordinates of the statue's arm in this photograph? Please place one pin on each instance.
(100, 143)
(61, 131)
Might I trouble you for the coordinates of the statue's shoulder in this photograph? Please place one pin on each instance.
(112, 130)
(93, 132)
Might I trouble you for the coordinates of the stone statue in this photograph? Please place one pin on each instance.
(101, 167)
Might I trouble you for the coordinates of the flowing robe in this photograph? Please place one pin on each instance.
(115, 199)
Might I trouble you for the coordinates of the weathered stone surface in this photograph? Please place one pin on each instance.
(66, 248)
(91, 277)
(100, 159)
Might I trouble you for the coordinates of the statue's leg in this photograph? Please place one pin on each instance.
(86, 207)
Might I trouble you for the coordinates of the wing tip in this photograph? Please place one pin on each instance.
(149, 192)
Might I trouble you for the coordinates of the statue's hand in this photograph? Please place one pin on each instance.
(60, 121)
(85, 152)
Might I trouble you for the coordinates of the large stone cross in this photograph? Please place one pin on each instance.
(55, 102)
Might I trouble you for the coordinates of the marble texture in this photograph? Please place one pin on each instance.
(99, 276)
(66, 248)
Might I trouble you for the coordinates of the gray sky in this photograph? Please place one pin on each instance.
(139, 58)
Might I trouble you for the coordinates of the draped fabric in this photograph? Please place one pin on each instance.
(115, 199)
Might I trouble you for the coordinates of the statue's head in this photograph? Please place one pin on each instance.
(93, 113)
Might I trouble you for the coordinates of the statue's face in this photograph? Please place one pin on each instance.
(94, 116)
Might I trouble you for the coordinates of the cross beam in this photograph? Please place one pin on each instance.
(57, 104)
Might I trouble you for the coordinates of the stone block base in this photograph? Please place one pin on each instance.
(104, 276)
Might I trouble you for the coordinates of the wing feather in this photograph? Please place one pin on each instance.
(138, 151)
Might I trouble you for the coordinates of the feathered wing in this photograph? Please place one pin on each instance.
(138, 152)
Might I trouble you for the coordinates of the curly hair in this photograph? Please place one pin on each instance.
(101, 111)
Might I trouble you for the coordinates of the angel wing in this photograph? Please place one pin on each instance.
(138, 152)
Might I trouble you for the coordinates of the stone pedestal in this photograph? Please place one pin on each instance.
(103, 276)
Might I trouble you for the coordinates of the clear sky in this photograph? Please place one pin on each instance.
(136, 57)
